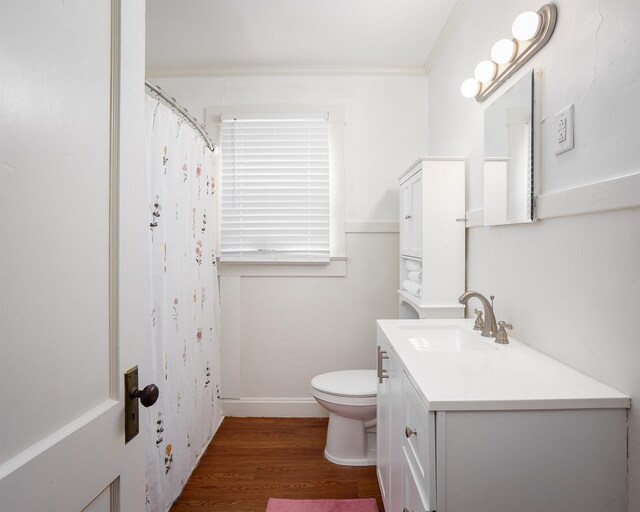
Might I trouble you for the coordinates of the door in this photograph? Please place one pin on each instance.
(70, 311)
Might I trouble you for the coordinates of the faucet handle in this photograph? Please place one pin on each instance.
(479, 323)
(501, 336)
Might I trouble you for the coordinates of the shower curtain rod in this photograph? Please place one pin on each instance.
(184, 112)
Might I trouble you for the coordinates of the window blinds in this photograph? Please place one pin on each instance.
(275, 189)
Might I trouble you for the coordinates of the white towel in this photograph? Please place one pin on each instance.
(412, 288)
(413, 265)
(415, 276)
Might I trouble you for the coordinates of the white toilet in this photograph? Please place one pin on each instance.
(350, 398)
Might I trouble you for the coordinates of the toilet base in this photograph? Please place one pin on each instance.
(349, 443)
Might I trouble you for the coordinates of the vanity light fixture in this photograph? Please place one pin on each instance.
(485, 71)
(531, 31)
(526, 26)
(470, 87)
(504, 51)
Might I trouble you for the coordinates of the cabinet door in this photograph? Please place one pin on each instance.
(411, 216)
(411, 497)
(406, 232)
(383, 419)
(389, 414)
(416, 215)
(418, 437)
(395, 439)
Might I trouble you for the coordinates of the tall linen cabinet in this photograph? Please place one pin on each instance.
(432, 238)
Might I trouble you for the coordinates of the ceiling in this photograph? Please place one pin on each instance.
(205, 35)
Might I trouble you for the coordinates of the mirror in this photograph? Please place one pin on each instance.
(508, 150)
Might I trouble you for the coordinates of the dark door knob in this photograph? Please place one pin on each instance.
(148, 396)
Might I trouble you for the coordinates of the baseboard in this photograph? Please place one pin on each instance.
(252, 407)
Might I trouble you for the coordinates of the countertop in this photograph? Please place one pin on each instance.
(504, 377)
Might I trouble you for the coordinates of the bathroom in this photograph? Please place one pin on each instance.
(567, 282)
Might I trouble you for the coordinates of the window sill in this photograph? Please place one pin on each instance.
(337, 267)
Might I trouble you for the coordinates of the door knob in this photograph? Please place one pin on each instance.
(148, 396)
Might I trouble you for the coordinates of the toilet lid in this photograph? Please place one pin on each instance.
(347, 383)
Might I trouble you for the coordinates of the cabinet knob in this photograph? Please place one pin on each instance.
(408, 431)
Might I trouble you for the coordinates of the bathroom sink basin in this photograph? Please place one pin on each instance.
(444, 338)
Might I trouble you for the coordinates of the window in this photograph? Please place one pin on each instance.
(275, 188)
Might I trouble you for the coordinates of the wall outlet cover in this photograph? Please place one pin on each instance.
(564, 130)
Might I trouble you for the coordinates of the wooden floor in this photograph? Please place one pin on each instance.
(253, 459)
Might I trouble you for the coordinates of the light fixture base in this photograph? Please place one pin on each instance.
(525, 50)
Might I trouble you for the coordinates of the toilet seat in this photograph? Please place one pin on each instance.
(347, 387)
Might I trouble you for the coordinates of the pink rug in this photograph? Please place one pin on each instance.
(361, 505)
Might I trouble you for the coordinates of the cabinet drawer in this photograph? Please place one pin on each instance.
(418, 440)
(412, 500)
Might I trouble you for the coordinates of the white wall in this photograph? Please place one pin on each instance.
(292, 328)
(568, 284)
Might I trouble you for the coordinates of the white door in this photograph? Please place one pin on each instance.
(66, 331)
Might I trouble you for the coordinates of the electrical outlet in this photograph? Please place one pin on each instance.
(564, 130)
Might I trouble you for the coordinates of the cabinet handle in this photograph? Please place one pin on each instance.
(382, 374)
(407, 217)
(408, 431)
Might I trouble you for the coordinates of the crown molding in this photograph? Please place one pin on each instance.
(214, 71)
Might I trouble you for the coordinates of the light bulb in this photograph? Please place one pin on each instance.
(485, 71)
(503, 51)
(526, 26)
(470, 87)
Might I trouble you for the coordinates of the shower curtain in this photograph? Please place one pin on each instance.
(183, 354)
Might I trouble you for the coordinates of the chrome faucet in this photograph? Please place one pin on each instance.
(489, 329)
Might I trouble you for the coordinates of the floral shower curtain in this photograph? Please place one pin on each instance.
(183, 354)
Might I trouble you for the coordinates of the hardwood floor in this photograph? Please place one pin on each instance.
(253, 459)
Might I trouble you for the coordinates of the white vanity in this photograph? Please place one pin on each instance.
(467, 425)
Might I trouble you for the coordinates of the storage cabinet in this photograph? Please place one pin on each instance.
(445, 453)
(432, 237)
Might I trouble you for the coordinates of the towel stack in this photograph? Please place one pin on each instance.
(413, 283)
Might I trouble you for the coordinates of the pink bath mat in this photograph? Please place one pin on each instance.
(360, 505)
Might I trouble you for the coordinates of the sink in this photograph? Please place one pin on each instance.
(444, 338)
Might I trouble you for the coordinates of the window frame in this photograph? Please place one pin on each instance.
(337, 237)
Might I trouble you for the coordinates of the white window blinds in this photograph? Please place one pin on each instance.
(275, 189)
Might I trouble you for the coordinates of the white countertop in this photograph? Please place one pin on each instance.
(504, 377)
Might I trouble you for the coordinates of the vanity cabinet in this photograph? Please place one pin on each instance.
(448, 442)
(432, 237)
